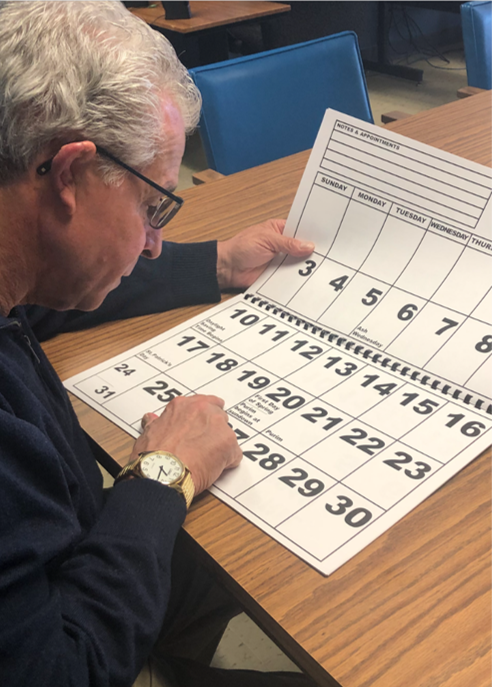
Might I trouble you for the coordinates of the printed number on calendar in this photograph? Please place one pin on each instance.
(311, 487)
(469, 429)
(124, 369)
(308, 270)
(312, 351)
(348, 368)
(405, 459)
(196, 346)
(357, 517)
(424, 407)
(317, 414)
(106, 391)
(272, 460)
(382, 389)
(279, 334)
(161, 385)
(224, 365)
(258, 382)
(292, 402)
(370, 445)
(246, 320)
(484, 346)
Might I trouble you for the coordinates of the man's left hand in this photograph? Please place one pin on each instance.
(244, 257)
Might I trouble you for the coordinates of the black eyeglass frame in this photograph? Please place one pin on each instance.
(45, 167)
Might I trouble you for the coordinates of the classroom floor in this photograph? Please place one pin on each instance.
(244, 645)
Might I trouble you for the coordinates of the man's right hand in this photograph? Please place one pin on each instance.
(196, 430)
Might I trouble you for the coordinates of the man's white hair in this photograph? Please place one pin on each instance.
(85, 71)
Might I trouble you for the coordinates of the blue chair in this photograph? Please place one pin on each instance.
(476, 22)
(268, 105)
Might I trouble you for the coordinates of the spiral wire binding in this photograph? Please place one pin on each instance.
(388, 362)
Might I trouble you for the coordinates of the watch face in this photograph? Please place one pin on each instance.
(164, 468)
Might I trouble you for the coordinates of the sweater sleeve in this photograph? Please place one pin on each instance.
(79, 608)
(184, 274)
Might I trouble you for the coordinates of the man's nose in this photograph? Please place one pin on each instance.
(152, 247)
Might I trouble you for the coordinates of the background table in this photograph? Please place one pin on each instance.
(413, 608)
(203, 39)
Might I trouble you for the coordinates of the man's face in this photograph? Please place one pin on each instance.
(110, 229)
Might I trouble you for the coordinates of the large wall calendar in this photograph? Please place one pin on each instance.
(357, 381)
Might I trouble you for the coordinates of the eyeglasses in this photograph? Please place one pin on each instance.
(157, 215)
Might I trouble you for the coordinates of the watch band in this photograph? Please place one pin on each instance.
(185, 486)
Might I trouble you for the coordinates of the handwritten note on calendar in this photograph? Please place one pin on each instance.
(358, 380)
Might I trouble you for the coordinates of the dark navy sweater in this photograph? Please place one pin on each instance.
(84, 576)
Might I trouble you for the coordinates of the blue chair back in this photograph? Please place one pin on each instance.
(271, 104)
(476, 22)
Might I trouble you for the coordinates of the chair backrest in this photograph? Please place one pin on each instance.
(271, 104)
(476, 22)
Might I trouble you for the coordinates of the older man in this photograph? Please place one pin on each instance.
(94, 107)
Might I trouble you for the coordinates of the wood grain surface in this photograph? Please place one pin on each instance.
(210, 14)
(413, 608)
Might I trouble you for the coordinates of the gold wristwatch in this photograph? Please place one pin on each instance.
(163, 467)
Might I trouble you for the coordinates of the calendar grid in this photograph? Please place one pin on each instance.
(356, 381)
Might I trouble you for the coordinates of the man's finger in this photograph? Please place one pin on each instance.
(147, 419)
(292, 246)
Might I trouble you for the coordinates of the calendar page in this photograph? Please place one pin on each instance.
(357, 381)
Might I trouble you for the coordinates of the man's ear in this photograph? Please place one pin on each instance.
(66, 169)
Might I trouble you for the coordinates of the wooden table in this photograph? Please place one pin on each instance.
(202, 39)
(413, 608)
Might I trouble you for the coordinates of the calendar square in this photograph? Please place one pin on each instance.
(483, 311)
(391, 316)
(320, 289)
(427, 332)
(264, 409)
(361, 391)
(261, 458)
(473, 267)
(347, 449)
(399, 412)
(150, 397)
(326, 371)
(206, 367)
(222, 325)
(242, 431)
(448, 432)
(330, 521)
(306, 427)
(463, 354)
(399, 239)
(481, 380)
(260, 337)
(429, 265)
(289, 277)
(351, 248)
(173, 350)
(292, 353)
(321, 217)
(117, 378)
(239, 383)
(392, 475)
(354, 303)
(282, 494)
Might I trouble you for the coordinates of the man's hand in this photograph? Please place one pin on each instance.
(244, 257)
(196, 430)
